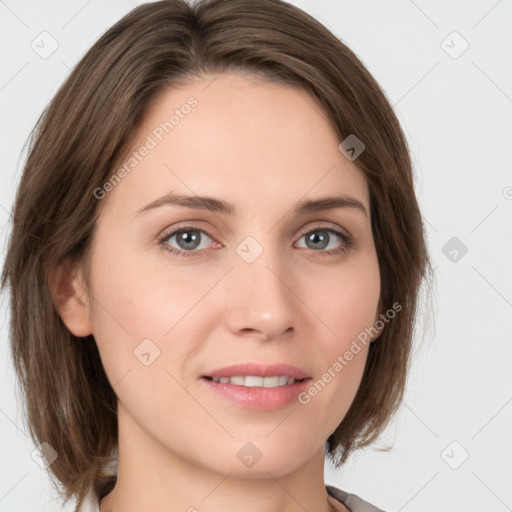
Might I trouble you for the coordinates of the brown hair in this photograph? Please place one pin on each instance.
(82, 135)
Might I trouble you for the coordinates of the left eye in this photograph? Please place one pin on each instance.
(321, 238)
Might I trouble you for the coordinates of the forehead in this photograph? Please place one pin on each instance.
(247, 141)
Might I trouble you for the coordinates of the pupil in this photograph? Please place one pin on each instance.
(315, 237)
(188, 241)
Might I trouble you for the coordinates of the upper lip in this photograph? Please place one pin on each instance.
(259, 370)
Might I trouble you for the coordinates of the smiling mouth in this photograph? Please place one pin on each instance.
(253, 381)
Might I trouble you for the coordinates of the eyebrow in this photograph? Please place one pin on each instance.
(219, 206)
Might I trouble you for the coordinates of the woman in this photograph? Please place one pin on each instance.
(214, 264)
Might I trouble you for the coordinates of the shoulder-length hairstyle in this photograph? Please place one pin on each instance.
(86, 130)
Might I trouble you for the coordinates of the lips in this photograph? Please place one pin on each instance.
(258, 390)
(258, 370)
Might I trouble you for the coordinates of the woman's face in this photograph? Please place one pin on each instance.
(269, 282)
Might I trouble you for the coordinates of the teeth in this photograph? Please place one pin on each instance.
(252, 381)
(271, 382)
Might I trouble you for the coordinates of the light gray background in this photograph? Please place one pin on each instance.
(456, 113)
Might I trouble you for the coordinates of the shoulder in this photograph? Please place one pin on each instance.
(353, 502)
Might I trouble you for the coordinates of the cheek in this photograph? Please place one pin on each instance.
(348, 300)
(140, 309)
(347, 306)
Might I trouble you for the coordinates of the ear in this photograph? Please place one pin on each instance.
(70, 299)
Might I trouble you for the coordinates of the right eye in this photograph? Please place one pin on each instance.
(188, 240)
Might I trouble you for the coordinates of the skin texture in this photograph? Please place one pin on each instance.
(262, 147)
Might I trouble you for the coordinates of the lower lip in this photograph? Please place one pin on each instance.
(259, 397)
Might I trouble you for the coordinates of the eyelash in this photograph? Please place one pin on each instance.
(347, 241)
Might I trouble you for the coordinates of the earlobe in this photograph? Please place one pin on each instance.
(69, 297)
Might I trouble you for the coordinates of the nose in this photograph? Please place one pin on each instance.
(261, 301)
